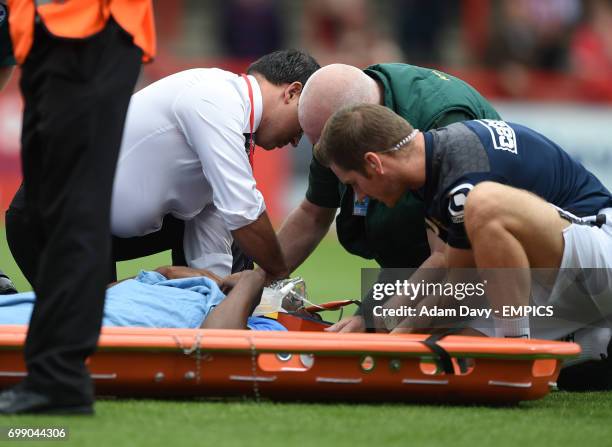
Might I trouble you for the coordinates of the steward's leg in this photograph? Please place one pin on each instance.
(82, 101)
(24, 236)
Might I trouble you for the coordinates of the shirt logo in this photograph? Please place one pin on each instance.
(456, 201)
(2, 13)
(502, 135)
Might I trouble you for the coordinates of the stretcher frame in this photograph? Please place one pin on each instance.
(309, 366)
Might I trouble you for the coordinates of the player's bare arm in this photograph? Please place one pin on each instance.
(303, 230)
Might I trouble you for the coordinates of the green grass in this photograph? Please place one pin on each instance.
(559, 419)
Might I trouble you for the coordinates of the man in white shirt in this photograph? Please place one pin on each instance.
(184, 179)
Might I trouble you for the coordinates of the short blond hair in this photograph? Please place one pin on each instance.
(353, 131)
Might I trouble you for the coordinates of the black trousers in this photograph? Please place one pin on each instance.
(588, 376)
(169, 237)
(76, 93)
(25, 247)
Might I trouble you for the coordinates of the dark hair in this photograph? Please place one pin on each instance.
(285, 67)
(355, 130)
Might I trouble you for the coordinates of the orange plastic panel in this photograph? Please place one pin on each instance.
(311, 365)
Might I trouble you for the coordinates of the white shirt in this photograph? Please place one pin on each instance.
(183, 154)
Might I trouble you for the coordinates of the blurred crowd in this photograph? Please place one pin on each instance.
(512, 38)
(566, 36)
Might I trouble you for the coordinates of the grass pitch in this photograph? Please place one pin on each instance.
(558, 420)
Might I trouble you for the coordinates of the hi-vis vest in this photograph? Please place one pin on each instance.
(80, 19)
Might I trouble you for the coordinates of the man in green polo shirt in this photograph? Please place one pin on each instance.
(7, 61)
(394, 237)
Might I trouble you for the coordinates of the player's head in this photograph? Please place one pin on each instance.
(282, 76)
(364, 145)
(331, 88)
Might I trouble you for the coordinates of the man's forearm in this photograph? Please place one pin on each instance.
(235, 309)
(431, 270)
(455, 268)
(302, 232)
(258, 241)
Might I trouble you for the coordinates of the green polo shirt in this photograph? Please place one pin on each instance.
(395, 237)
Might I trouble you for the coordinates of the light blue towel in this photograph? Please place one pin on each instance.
(149, 300)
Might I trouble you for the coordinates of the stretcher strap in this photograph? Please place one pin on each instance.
(443, 359)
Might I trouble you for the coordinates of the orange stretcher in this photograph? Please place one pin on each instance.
(310, 365)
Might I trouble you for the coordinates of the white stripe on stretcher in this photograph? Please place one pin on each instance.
(510, 384)
(13, 374)
(425, 382)
(110, 376)
(338, 380)
(253, 378)
(24, 374)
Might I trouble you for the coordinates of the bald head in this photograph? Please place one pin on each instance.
(329, 89)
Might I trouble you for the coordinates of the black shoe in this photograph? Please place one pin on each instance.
(6, 285)
(594, 375)
(19, 400)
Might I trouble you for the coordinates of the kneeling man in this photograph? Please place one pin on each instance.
(184, 176)
(498, 196)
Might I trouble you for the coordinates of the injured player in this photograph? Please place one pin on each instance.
(500, 198)
(170, 297)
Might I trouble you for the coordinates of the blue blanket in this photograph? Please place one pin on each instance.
(149, 300)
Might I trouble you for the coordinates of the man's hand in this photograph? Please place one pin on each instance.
(356, 323)
(258, 241)
(423, 323)
(229, 282)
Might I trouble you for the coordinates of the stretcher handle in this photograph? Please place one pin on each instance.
(332, 305)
